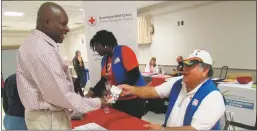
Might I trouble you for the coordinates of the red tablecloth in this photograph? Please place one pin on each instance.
(115, 120)
(158, 80)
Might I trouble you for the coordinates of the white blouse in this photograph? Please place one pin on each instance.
(148, 69)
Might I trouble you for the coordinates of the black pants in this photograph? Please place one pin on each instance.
(156, 105)
(77, 87)
(134, 107)
(81, 77)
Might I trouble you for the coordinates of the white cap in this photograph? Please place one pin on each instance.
(200, 55)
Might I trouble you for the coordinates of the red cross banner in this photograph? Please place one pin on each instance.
(91, 21)
(119, 17)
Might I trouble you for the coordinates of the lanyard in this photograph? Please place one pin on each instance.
(106, 64)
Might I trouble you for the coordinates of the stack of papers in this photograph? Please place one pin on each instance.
(89, 126)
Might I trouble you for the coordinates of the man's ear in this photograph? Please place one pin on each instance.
(46, 22)
(205, 71)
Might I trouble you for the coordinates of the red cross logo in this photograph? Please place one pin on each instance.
(92, 21)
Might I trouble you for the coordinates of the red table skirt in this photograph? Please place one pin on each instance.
(115, 120)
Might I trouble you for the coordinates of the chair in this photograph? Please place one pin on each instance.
(225, 68)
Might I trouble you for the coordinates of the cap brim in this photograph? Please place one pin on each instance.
(192, 61)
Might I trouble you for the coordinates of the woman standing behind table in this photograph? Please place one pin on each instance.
(119, 66)
(152, 67)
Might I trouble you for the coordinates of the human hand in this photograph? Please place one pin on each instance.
(104, 102)
(126, 89)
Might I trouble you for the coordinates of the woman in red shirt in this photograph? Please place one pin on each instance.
(119, 66)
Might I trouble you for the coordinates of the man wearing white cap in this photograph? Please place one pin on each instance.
(195, 103)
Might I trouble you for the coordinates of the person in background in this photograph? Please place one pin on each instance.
(178, 71)
(2, 81)
(2, 84)
(77, 87)
(13, 108)
(195, 101)
(151, 66)
(79, 67)
(44, 82)
(119, 66)
(180, 63)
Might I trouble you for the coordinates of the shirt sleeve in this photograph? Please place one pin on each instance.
(212, 108)
(164, 89)
(129, 58)
(55, 87)
(156, 69)
(147, 68)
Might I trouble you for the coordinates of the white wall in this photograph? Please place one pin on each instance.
(226, 29)
(11, 38)
(71, 43)
(8, 62)
(74, 42)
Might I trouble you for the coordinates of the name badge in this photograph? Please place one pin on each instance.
(195, 102)
(117, 60)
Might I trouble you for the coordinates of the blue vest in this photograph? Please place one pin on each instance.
(118, 70)
(201, 93)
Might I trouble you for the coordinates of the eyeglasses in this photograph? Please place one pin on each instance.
(190, 63)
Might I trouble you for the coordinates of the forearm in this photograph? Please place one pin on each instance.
(179, 128)
(98, 89)
(145, 92)
(132, 76)
(83, 104)
(66, 98)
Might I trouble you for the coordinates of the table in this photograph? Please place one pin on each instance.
(159, 79)
(155, 79)
(240, 99)
(115, 120)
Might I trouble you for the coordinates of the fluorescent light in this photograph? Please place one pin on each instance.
(13, 14)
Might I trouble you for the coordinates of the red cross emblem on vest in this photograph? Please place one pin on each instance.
(92, 21)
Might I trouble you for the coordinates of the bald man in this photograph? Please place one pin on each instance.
(44, 83)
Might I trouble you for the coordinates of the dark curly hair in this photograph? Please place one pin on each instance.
(105, 38)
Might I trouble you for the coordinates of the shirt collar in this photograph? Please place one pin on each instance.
(195, 89)
(46, 38)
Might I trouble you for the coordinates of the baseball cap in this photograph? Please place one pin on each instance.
(198, 56)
